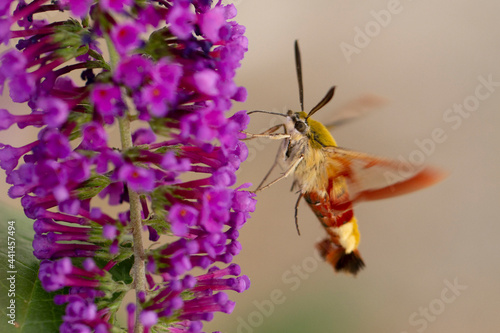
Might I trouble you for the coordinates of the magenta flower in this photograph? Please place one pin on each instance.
(55, 275)
(107, 100)
(4, 7)
(109, 231)
(156, 98)
(115, 5)
(131, 71)
(181, 217)
(139, 179)
(181, 19)
(126, 37)
(167, 74)
(94, 136)
(105, 97)
(13, 62)
(211, 22)
(80, 310)
(6, 119)
(55, 111)
(147, 130)
(148, 318)
(21, 87)
(143, 136)
(206, 82)
(79, 8)
(5, 33)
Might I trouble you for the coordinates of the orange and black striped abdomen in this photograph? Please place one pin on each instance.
(336, 217)
(329, 213)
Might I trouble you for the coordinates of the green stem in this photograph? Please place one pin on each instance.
(139, 268)
(113, 55)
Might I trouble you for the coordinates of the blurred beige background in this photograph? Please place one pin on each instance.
(433, 256)
(425, 58)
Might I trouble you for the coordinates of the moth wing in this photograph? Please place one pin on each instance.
(354, 109)
(367, 177)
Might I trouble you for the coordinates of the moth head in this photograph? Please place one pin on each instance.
(300, 121)
(317, 133)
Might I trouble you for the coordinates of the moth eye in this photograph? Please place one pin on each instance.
(300, 126)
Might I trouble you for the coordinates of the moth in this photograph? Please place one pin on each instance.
(332, 179)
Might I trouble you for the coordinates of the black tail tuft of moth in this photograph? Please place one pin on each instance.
(350, 263)
(340, 260)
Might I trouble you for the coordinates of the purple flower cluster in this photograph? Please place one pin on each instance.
(173, 175)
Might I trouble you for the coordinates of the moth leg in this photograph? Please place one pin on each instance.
(275, 136)
(297, 212)
(268, 134)
(286, 174)
(272, 129)
(268, 173)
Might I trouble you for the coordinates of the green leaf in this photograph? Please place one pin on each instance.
(91, 187)
(121, 271)
(35, 310)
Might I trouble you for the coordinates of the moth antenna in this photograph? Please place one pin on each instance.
(328, 97)
(298, 66)
(297, 212)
